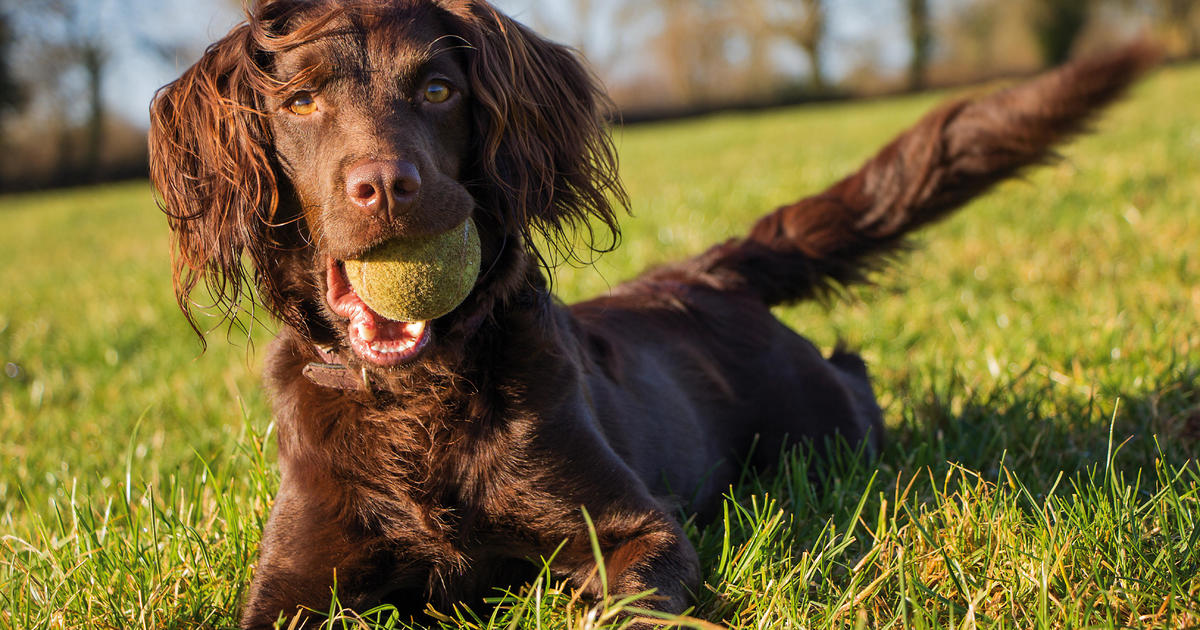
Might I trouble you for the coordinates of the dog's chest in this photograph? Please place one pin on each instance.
(454, 536)
(445, 481)
(460, 495)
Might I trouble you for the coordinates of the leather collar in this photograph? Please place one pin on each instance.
(333, 373)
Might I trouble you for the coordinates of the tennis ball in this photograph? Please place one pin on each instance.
(418, 279)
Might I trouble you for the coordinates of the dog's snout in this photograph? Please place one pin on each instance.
(385, 186)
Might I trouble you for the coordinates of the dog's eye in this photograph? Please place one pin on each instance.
(437, 91)
(302, 104)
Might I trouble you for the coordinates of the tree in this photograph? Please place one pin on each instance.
(800, 22)
(691, 47)
(93, 58)
(975, 21)
(1179, 15)
(64, 42)
(1056, 26)
(808, 30)
(12, 93)
(85, 48)
(921, 39)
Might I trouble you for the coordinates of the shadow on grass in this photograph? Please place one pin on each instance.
(1039, 430)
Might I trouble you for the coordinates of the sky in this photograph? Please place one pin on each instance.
(189, 25)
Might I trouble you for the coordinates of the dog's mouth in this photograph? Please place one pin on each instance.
(376, 339)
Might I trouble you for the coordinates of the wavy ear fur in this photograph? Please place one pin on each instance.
(545, 156)
(211, 164)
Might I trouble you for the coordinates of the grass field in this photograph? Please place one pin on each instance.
(1037, 357)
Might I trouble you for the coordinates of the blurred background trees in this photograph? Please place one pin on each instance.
(74, 73)
(1057, 24)
(11, 93)
(65, 117)
(920, 42)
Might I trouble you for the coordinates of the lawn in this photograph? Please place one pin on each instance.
(1037, 357)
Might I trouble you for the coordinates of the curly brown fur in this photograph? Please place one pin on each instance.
(440, 473)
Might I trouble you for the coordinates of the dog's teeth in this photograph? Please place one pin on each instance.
(367, 332)
(383, 348)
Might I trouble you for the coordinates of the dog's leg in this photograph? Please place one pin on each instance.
(303, 553)
(659, 557)
(641, 552)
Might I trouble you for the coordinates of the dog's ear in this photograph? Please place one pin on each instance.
(211, 164)
(541, 128)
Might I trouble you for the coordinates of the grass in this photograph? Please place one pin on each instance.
(1037, 358)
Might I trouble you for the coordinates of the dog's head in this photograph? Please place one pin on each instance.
(321, 128)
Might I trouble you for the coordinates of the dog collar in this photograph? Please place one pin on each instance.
(332, 373)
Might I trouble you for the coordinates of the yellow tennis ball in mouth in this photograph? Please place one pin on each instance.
(418, 279)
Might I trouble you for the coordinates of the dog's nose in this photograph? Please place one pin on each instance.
(385, 186)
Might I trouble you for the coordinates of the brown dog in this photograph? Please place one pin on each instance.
(430, 461)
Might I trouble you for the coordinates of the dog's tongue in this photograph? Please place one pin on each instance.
(372, 336)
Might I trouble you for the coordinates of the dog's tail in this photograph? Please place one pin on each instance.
(954, 154)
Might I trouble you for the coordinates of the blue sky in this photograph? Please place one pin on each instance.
(191, 24)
